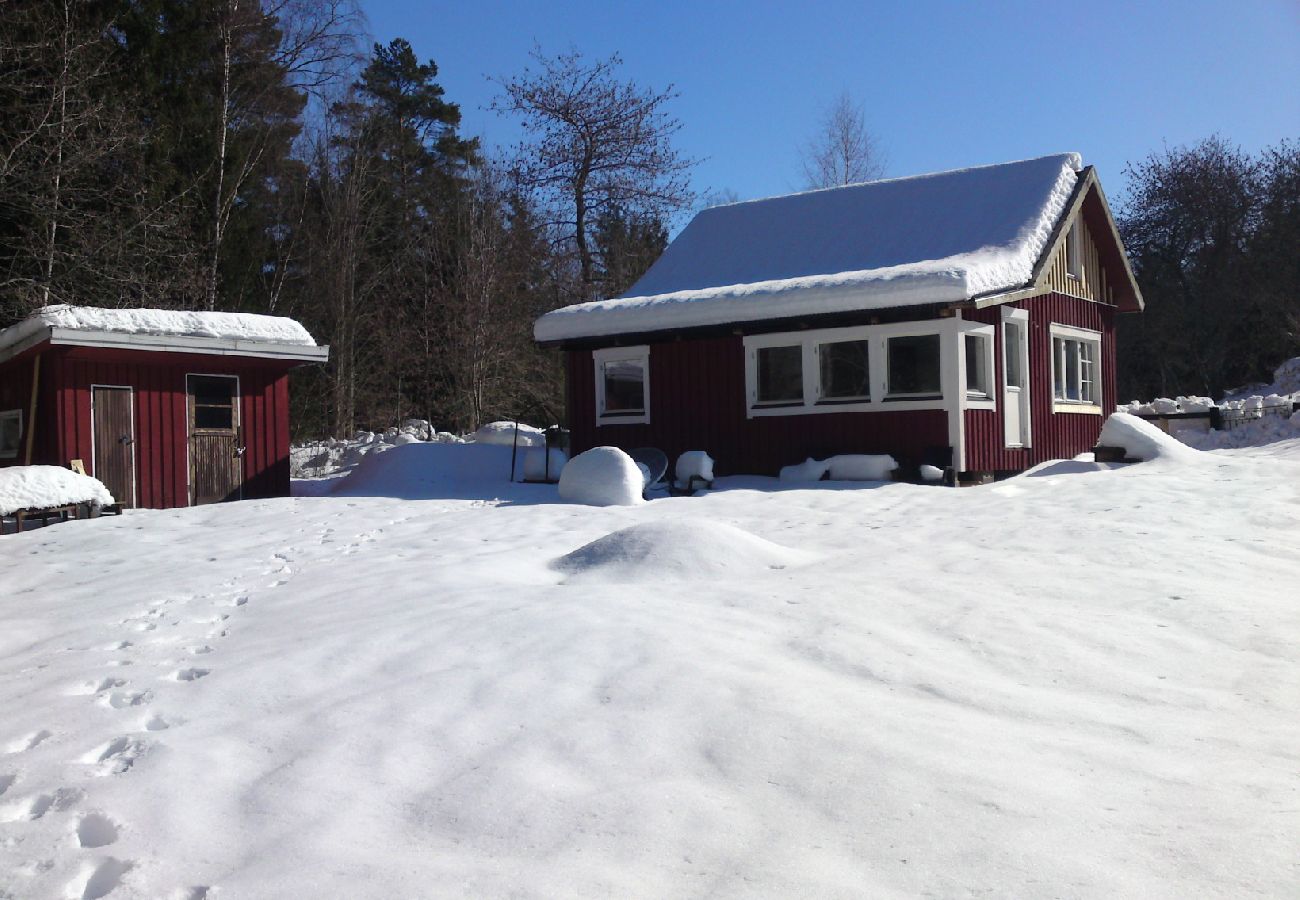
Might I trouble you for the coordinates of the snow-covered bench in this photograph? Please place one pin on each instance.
(29, 493)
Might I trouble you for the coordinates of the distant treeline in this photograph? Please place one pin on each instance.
(252, 156)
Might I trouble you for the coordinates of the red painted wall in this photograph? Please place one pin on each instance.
(697, 402)
(1052, 435)
(158, 383)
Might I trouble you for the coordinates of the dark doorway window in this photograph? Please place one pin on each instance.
(212, 402)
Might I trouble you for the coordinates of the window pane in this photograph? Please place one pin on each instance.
(780, 374)
(1086, 377)
(10, 433)
(211, 391)
(1011, 351)
(976, 366)
(1071, 370)
(215, 417)
(624, 386)
(1058, 368)
(844, 370)
(914, 365)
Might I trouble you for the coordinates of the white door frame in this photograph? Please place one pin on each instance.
(1016, 429)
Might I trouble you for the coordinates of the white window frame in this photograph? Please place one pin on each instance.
(639, 354)
(987, 398)
(1090, 406)
(16, 414)
(877, 337)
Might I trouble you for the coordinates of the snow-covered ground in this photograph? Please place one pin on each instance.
(1082, 682)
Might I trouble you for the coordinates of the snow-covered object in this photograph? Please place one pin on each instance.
(861, 467)
(504, 433)
(1142, 440)
(535, 463)
(432, 471)
(169, 322)
(1165, 406)
(41, 487)
(926, 239)
(808, 470)
(676, 550)
(602, 476)
(1253, 433)
(694, 464)
(931, 473)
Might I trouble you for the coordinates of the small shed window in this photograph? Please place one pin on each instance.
(623, 384)
(780, 374)
(212, 402)
(913, 364)
(11, 433)
(845, 370)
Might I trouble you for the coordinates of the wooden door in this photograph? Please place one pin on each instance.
(216, 448)
(113, 426)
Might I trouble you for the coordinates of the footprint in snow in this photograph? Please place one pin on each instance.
(100, 879)
(96, 830)
(29, 742)
(158, 722)
(191, 674)
(37, 806)
(6, 782)
(98, 686)
(124, 699)
(117, 756)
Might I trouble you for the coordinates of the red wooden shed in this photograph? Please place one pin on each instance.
(167, 408)
(964, 319)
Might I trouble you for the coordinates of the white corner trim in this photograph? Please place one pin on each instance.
(639, 353)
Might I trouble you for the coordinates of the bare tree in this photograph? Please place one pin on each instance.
(597, 143)
(842, 151)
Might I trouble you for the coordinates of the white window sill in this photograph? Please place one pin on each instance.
(1069, 406)
(622, 419)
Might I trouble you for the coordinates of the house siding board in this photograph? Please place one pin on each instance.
(697, 402)
(1052, 435)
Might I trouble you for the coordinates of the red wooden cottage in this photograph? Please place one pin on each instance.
(964, 319)
(166, 408)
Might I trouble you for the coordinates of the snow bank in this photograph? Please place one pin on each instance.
(432, 471)
(861, 467)
(676, 550)
(40, 487)
(931, 473)
(1166, 406)
(323, 459)
(179, 323)
(846, 467)
(1142, 440)
(1254, 433)
(504, 433)
(808, 470)
(694, 464)
(903, 241)
(603, 476)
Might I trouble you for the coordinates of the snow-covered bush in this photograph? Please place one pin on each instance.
(535, 463)
(602, 476)
(41, 487)
(694, 464)
(504, 433)
(861, 467)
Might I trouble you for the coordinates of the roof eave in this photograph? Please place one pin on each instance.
(154, 343)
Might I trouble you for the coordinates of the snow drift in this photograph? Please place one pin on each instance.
(1142, 440)
(428, 471)
(676, 550)
(40, 487)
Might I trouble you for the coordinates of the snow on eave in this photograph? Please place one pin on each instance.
(1009, 262)
(214, 333)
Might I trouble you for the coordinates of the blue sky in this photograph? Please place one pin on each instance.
(944, 85)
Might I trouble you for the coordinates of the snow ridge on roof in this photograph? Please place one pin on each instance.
(936, 238)
(249, 327)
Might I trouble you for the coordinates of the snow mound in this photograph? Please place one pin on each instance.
(40, 487)
(322, 459)
(1142, 440)
(677, 550)
(694, 464)
(504, 433)
(431, 471)
(602, 476)
(861, 467)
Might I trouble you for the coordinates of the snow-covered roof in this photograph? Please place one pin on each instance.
(939, 238)
(237, 334)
